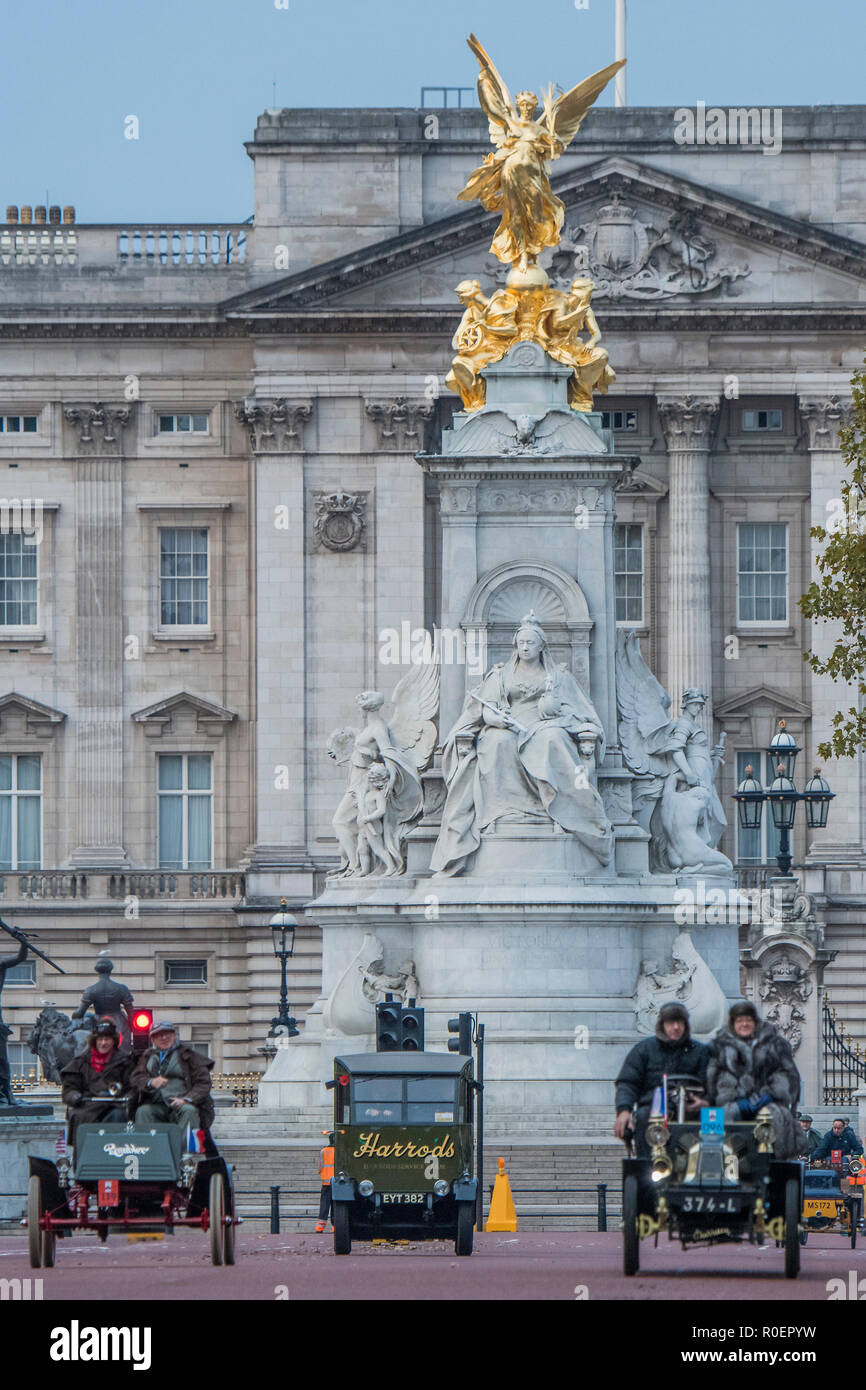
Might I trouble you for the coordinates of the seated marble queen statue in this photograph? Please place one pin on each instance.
(519, 753)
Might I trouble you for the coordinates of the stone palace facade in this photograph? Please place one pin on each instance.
(216, 520)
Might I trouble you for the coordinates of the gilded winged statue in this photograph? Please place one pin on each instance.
(514, 178)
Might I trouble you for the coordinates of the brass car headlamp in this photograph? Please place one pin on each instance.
(662, 1167)
(764, 1131)
(657, 1133)
(855, 1166)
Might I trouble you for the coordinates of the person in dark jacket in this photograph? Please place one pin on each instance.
(813, 1137)
(752, 1066)
(172, 1083)
(672, 1052)
(93, 1082)
(840, 1137)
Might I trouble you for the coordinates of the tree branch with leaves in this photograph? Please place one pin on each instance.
(839, 595)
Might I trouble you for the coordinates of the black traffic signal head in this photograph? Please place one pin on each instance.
(462, 1026)
(142, 1022)
(412, 1030)
(387, 1027)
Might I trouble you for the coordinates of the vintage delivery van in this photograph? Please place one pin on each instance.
(403, 1148)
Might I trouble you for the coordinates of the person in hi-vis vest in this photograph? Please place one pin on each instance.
(326, 1172)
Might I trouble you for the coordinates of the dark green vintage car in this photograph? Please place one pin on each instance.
(403, 1148)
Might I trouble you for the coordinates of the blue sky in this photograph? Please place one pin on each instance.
(197, 73)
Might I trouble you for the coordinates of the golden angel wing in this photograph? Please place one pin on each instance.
(494, 96)
(568, 112)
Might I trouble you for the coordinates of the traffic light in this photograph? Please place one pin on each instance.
(462, 1026)
(388, 1026)
(142, 1022)
(399, 1028)
(412, 1028)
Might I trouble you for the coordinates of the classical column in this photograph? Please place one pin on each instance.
(279, 698)
(842, 841)
(98, 717)
(688, 423)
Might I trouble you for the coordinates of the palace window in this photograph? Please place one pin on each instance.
(19, 424)
(185, 800)
(619, 420)
(628, 572)
(183, 424)
(19, 587)
(23, 1064)
(762, 420)
(20, 811)
(23, 975)
(183, 576)
(762, 572)
(185, 972)
(762, 845)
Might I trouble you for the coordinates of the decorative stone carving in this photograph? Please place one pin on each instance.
(350, 1008)
(688, 421)
(400, 422)
(456, 499)
(275, 427)
(823, 417)
(784, 985)
(99, 427)
(629, 259)
(676, 800)
(160, 718)
(384, 797)
(340, 519)
(376, 982)
(690, 982)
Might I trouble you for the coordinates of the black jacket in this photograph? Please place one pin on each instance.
(846, 1141)
(649, 1060)
(79, 1079)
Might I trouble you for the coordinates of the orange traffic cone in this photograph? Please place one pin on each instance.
(502, 1216)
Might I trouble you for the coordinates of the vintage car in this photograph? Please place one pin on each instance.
(403, 1148)
(833, 1199)
(132, 1181)
(710, 1180)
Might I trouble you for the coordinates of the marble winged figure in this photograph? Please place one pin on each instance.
(514, 178)
(385, 758)
(676, 800)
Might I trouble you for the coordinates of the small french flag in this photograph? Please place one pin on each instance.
(194, 1140)
(660, 1099)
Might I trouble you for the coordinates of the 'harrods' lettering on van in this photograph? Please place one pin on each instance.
(370, 1148)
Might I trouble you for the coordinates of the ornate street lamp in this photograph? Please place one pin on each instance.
(283, 926)
(783, 797)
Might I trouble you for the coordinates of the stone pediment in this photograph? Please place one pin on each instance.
(184, 712)
(756, 713)
(646, 236)
(35, 718)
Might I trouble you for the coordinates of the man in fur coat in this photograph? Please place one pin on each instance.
(751, 1066)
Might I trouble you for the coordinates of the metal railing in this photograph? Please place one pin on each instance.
(844, 1061)
(244, 1086)
(754, 876)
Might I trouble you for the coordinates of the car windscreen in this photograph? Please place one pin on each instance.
(405, 1100)
(430, 1100)
(379, 1098)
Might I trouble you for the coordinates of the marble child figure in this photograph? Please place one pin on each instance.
(513, 756)
(378, 830)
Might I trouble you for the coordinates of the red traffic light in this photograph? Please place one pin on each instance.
(142, 1020)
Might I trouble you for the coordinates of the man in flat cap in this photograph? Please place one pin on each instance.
(172, 1081)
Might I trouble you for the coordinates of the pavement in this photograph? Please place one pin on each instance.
(540, 1265)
